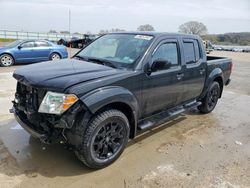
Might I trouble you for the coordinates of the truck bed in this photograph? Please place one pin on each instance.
(223, 63)
(215, 58)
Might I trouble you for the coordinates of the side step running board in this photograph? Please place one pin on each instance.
(166, 115)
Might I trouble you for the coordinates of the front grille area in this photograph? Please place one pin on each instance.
(29, 98)
(50, 126)
(27, 102)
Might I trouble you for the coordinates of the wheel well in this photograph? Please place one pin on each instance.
(56, 53)
(220, 81)
(9, 55)
(125, 109)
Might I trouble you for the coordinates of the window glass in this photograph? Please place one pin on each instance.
(42, 44)
(105, 48)
(167, 51)
(122, 49)
(189, 52)
(28, 45)
(197, 50)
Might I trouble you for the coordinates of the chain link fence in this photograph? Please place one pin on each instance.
(5, 34)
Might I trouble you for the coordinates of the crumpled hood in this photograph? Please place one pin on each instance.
(59, 75)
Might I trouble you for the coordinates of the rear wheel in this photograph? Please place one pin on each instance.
(104, 140)
(6, 60)
(55, 56)
(210, 100)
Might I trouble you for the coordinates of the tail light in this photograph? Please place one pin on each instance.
(231, 68)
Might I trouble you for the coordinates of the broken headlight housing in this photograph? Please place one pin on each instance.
(56, 103)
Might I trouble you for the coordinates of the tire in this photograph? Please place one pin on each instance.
(104, 140)
(55, 56)
(210, 100)
(6, 60)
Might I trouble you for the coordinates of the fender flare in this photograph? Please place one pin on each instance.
(215, 74)
(101, 97)
(57, 52)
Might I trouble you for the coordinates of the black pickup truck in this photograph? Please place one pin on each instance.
(116, 87)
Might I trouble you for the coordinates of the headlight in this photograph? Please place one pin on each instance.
(56, 103)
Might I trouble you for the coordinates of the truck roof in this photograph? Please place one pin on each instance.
(157, 34)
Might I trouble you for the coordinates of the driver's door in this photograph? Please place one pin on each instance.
(25, 52)
(162, 89)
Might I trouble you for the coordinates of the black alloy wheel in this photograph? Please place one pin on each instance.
(104, 140)
(108, 140)
(210, 100)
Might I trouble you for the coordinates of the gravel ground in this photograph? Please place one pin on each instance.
(193, 150)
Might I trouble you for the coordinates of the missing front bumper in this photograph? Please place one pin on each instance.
(27, 125)
(43, 137)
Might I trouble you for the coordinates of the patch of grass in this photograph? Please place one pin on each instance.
(7, 40)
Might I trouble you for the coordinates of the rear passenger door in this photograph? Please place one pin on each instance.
(195, 69)
(42, 50)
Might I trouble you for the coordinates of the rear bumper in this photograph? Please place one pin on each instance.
(64, 54)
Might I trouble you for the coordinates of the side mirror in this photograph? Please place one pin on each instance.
(160, 64)
(19, 47)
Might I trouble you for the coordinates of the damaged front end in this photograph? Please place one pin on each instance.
(49, 128)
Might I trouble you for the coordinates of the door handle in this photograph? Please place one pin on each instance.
(179, 76)
(202, 70)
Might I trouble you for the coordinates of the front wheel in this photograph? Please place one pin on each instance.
(104, 140)
(210, 100)
(6, 60)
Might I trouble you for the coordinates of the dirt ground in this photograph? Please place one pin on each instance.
(193, 150)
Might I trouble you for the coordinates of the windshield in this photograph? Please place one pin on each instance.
(123, 50)
(13, 44)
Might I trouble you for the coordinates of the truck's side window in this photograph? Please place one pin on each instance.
(189, 52)
(197, 50)
(167, 51)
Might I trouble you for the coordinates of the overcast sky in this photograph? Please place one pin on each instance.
(219, 16)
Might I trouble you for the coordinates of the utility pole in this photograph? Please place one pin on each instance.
(69, 19)
(69, 32)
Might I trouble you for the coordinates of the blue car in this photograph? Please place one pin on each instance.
(27, 51)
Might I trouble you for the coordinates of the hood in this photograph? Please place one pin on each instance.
(59, 75)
